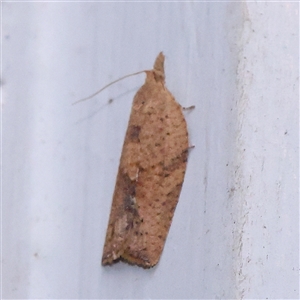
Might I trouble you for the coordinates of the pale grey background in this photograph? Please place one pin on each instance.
(236, 227)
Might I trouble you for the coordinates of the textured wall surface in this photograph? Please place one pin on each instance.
(235, 233)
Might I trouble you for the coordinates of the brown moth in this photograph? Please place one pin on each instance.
(150, 176)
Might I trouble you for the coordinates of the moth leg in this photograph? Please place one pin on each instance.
(189, 107)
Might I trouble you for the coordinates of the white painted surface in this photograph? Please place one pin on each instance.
(235, 232)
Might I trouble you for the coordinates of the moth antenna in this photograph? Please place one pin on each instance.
(106, 86)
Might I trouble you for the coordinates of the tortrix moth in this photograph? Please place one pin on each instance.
(150, 176)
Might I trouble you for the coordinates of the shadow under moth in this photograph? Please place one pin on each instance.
(150, 176)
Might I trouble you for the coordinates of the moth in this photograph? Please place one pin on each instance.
(150, 176)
